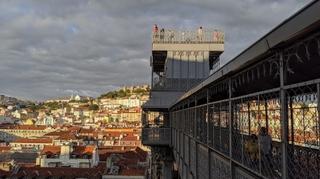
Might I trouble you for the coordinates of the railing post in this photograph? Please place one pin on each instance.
(283, 117)
(196, 135)
(207, 116)
(207, 120)
(230, 128)
(318, 109)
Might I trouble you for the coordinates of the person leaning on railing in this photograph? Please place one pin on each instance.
(265, 143)
(252, 149)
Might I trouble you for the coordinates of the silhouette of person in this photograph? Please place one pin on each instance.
(200, 34)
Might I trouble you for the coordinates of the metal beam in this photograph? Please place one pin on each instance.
(283, 117)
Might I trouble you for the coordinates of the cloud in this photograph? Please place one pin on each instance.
(50, 48)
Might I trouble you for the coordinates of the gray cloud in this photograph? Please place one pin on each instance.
(56, 47)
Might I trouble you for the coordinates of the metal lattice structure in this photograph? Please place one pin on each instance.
(228, 120)
(255, 117)
(260, 119)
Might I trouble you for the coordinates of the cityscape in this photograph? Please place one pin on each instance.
(160, 90)
(100, 137)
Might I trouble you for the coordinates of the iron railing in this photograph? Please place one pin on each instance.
(249, 115)
(174, 84)
(262, 121)
(156, 136)
(197, 36)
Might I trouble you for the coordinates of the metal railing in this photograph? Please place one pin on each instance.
(174, 84)
(156, 136)
(197, 36)
(264, 120)
(251, 113)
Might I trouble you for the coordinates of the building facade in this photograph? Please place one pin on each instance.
(69, 156)
(180, 60)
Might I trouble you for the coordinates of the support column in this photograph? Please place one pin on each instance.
(230, 127)
(207, 116)
(167, 170)
(196, 138)
(283, 117)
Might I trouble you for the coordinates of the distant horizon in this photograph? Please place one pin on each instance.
(55, 97)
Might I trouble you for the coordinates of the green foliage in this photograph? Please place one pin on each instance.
(84, 101)
(94, 107)
(81, 101)
(111, 94)
(3, 106)
(140, 91)
(55, 105)
(36, 107)
(124, 93)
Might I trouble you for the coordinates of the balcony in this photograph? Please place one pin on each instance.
(156, 136)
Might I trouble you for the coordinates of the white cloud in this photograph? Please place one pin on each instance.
(92, 46)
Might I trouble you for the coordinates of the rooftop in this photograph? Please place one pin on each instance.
(23, 127)
(95, 172)
(37, 140)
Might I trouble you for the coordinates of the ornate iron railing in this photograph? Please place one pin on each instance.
(197, 36)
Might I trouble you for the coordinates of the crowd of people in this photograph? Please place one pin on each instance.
(160, 35)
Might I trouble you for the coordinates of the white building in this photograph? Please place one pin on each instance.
(37, 144)
(69, 156)
(12, 132)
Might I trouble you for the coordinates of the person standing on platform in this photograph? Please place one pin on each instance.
(265, 143)
(155, 32)
(162, 34)
(200, 34)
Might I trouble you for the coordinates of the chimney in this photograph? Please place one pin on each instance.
(66, 149)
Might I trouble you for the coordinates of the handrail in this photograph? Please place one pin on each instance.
(179, 36)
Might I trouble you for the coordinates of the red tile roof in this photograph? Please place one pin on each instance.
(95, 172)
(24, 127)
(62, 135)
(135, 153)
(37, 140)
(128, 161)
(5, 148)
(51, 150)
(80, 150)
(86, 131)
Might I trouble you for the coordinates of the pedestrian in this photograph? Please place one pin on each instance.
(162, 34)
(200, 34)
(155, 32)
(252, 149)
(265, 143)
(183, 36)
(171, 35)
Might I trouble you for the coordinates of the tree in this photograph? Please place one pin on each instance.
(94, 107)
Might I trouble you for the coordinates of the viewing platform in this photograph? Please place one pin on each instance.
(205, 40)
(156, 136)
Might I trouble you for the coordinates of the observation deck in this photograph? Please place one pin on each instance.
(197, 40)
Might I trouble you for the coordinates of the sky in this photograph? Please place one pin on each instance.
(51, 48)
